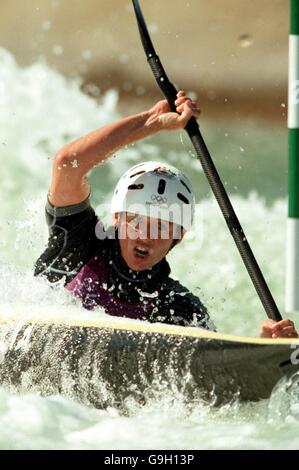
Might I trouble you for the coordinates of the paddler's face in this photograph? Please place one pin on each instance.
(145, 241)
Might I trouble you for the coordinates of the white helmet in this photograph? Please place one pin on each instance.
(155, 190)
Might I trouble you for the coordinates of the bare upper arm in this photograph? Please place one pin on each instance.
(69, 185)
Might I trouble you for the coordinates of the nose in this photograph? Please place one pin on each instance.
(139, 229)
(142, 231)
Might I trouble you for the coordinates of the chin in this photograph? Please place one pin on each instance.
(135, 266)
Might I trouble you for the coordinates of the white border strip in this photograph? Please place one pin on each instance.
(293, 118)
(292, 265)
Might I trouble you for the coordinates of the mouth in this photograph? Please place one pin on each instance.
(141, 252)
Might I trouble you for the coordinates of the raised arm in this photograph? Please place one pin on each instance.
(69, 184)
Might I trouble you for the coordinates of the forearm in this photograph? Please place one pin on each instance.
(69, 184)
(92, 149)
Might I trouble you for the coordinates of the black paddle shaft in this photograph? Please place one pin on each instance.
(211, 173)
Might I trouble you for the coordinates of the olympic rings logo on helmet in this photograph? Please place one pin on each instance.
(159, 199)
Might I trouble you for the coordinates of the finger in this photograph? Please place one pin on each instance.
(189, 104)
(180, 100)
(187, 100)
(282, 324)
(180, 108)
(187, 114)
(286, 333)
(289, 331)
(181, 93)
(278, 334)
(266, 328)
(184, 99)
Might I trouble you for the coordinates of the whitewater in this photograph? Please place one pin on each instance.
(40, 111)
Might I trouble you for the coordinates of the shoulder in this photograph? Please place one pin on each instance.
(72, 241)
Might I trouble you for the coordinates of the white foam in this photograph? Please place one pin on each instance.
(40, 111)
